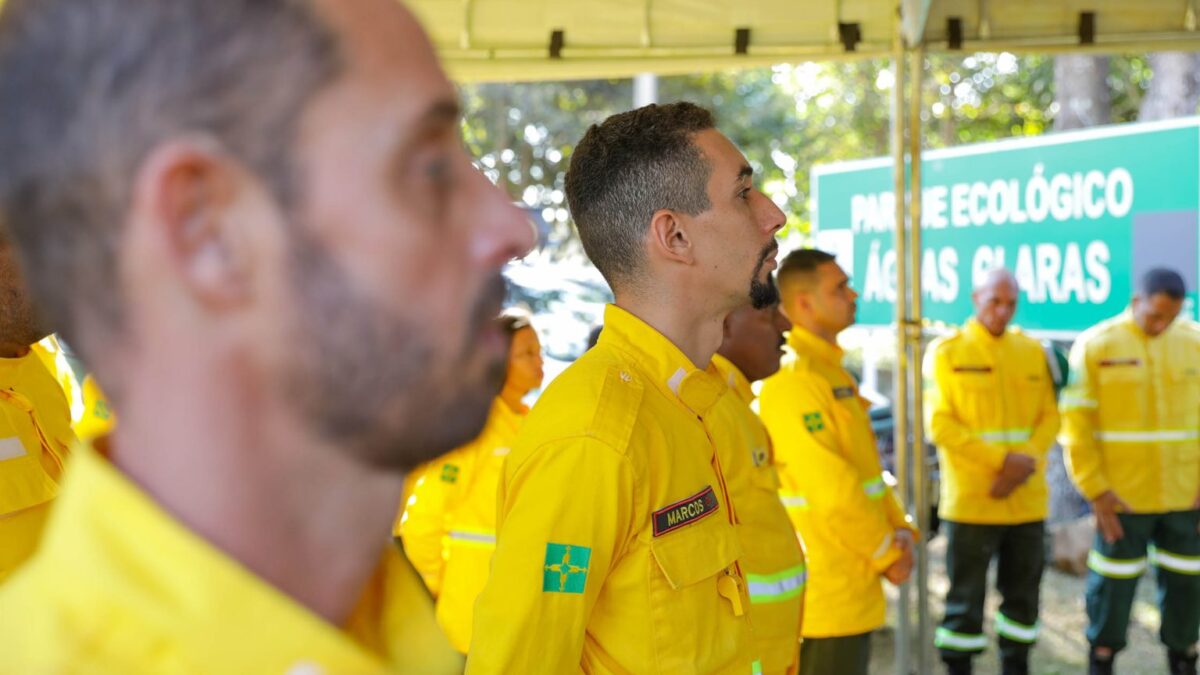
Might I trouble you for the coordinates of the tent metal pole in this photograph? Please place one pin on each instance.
(900, 379)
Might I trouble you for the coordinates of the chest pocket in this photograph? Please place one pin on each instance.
(695, 630)
(1121, 390)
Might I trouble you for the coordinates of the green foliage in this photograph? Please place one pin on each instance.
(786, 119)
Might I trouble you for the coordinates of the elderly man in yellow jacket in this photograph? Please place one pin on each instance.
(772, 556)
(35, 419)
(1131, 431)
(854, 530)
(617, 548)
(990, 408)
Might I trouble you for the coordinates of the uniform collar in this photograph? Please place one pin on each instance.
(734, 378)
(668, 368)
(804, 342)
(975, 329)
(502, 414)
(201, 599)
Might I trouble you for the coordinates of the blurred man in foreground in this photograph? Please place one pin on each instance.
(256, 223)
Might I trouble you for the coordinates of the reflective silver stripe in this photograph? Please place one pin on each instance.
(948, 639)
(1114, 568)
(1016, 631)
(1182, 564)
(1147, 436)
(1076, 402)
(473, 537)
(884, 545)
(794, 501)
(875, 487)
(1006, 435)
(776, 587)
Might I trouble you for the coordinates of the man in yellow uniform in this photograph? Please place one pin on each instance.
(771, 553)
(1131, 434)
(853, 528)
(617, 547)
(255, 222)
(448, 525)
(35, 420)
(991, 410)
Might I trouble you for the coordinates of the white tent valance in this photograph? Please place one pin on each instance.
(510, 40)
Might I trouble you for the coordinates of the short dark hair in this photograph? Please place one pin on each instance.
(91, 86)
(1162, 280)
(800, 265)
(628, 167)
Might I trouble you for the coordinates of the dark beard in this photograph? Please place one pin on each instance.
(373, 382)
(763, 294)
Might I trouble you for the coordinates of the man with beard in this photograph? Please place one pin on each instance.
(853, 529)
(35, 421)
(617, 549)
(256, 223)
(772, 557)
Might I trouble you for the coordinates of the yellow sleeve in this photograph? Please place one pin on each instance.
(566, 515)
(800, 419)
(1048, 423)
(942, 423)
(423, 523)
(1080, 407)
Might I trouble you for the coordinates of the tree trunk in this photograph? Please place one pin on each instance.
(1174, 89)
(1081, 90)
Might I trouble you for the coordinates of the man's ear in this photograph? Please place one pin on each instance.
(187, 193)
(669, 238)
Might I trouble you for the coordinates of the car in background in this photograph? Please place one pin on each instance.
(566, 300)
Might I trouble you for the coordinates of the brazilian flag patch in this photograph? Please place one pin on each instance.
(566, 568)
(813, 422)
(449, 473)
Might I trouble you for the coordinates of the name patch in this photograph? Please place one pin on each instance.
(1115, 363)
(843, 392)
(675, 516)
(972, 369)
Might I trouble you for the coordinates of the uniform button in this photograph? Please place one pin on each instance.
(306, 668)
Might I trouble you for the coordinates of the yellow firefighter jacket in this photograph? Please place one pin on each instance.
(617, 547)
(832, 486)
(1131, 415)
(985, 397)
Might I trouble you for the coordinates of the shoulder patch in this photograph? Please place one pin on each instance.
(843, 392)
(566, 568)
(617, 408)
(814, 422)
(700, 505)
(449, 473)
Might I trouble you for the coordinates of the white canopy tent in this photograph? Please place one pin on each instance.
(512, 40)
(529, 40)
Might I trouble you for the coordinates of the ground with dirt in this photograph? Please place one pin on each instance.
(1062, 648)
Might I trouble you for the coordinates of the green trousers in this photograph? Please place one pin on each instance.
(1168, 541)
(848, 655)
(1020, 553)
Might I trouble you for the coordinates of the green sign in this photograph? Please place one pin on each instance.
(1075, 216)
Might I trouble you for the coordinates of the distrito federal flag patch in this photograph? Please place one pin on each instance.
(566, 568)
